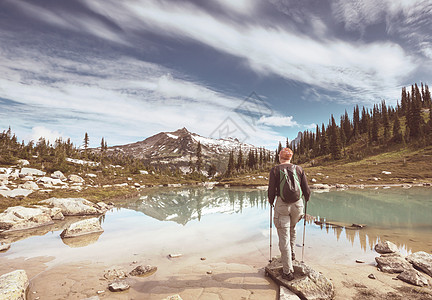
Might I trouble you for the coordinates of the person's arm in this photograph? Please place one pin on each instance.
(271, 187)
(305, 186)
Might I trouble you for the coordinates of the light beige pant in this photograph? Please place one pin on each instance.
(285, 219)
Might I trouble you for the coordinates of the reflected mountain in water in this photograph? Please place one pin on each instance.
(182, 205)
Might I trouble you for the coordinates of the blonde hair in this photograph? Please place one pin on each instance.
(285, 154)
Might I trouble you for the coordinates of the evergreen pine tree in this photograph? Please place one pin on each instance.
(230, 167)
(86, 141)
(356, 122)
(335, 144)
(324, 141)
(397, 131)
(385, 120)
(199, 158)
(239, 164)
(375, 125)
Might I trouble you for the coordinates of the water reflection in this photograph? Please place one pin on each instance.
(185, 204)
(83, 240)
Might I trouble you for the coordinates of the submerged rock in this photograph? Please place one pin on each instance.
(13, 285)
(143, 271)
(286, 294)
(114, 273)
(386, 247)
(413, 277)
(421, 261)
(19, 218)
(173, 297)
(82, 227)
(307, 283)
(73, 206)
(118, 286)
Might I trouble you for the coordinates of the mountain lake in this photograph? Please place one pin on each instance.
(214, 228)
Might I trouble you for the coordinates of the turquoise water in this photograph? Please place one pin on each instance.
(233, 225)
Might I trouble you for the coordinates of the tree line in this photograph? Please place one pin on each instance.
(409, 123)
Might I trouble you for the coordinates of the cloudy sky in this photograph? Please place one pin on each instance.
(258, 70)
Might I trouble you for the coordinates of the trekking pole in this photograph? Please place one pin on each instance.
(271, 226)
(304, 231)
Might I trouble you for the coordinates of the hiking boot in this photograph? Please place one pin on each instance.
(289, 276)
(292, 255)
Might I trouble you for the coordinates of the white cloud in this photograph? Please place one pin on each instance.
(239, 6)
(360, 71)
(278, 121)
(43, 132)
(118, 107)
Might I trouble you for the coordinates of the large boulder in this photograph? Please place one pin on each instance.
(13, 285)
(76, 178)
(386, 247)
(421, 261)
(392, 263)
(19, 218)
(73, 206)
(19, 192)
(54, 212)
(413, 277)
(143, 271)
(307, 283)
(82, 227)
(31, 171)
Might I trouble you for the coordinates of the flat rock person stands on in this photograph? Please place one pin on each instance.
(288, 182)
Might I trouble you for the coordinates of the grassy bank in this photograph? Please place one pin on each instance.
(405, 166)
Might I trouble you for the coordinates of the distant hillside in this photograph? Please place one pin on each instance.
(178, 149)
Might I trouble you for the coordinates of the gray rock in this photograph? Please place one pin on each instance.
(386, 247)
(392, 264)
(54, 212)
(13, 285)
(307, 283)
(421, 261)
(320, 186)
(371, 276)
(15, 193)
(23, 162)
(31, 171)
(29, 185)
(58, 175)
(286, 294)
(3, 187)
(4, 246)
(118, 286)
(413, 277)
(73, 206)
(19, 218)
(173, 297)
(143, 271)
(75, 178)
(82, 227)
(114, 273)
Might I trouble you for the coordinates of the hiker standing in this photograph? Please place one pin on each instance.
(288, 182)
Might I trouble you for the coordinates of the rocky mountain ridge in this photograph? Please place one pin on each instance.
(179, 148)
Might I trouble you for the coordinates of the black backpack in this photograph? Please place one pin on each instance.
(289, 184)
